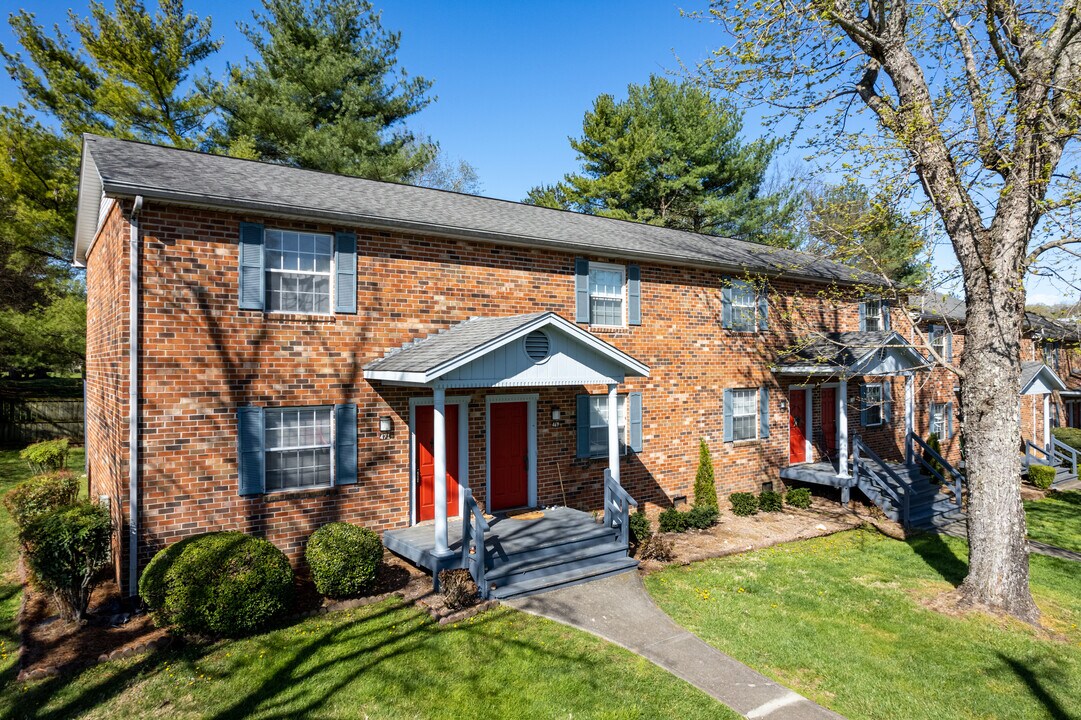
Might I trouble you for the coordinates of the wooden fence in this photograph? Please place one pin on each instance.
(28, 420)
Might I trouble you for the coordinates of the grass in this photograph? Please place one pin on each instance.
(13, 471)
(1056, 520)
(841, 620)
(382, 661)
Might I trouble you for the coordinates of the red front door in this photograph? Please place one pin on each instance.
(426, 462)
(508, 448)
(797, 426)
(829, 420)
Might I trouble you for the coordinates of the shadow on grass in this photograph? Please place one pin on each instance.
(1036, 685)
(940, 557)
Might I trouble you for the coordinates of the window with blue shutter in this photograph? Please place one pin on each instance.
(345, 444)
(635, 420)
(345, 272)
(250, 274)
(740, 309)
(863, 317)
(763, 308)
(887, 401)
(727, 408)
(581, 418)
(250, 450)
(871, 404)
(634, 295)
(581, 290)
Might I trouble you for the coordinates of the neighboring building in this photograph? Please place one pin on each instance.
(300, 337)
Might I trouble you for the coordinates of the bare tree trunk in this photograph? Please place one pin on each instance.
(998, 574)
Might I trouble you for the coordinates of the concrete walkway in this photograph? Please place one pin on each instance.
(960, 529)
(620, 610)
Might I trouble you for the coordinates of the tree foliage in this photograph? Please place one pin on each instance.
(671, 155)
(324, 92)
(846, 223)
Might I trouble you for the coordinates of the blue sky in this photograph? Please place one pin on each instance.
(512, 79)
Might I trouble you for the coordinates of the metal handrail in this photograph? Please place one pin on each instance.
(956, 486)
(473, 550)
(899, 493)
(617, 507)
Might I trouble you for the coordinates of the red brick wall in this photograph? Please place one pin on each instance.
(202, 358)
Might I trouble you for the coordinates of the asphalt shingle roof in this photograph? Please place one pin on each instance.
(128, 168)
(840, 349)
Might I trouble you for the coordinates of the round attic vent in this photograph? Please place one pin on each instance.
(537, 346)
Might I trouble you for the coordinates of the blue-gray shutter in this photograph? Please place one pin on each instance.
(581, 290)
(887, 402)
(634, 295)
(949, 346)
(345, 444)
(250, 450)
(634, 417)
(931, 418)
(345, 272)
(251, 275)
(949, 420)
(763, 411)
(763, 308)
(885, 310)
(863, 406)
(726, 307)
(582, 420)
(727, 415)
(863, 317)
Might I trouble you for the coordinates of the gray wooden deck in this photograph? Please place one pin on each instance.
(507, 536)
(825, 473)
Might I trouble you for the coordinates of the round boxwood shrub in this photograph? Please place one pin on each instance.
(1041, 476)
(702, 517)
(770, 501)
(640, 527)
(798, 497)
(219, 583)
(343, 559)
(672, 520)
(743, 503)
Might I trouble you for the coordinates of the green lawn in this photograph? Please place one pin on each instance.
(1056, 520)
(12, 471)
(384, 661)
(839, 619)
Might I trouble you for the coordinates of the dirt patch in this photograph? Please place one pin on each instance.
(734, 534)
(1031, 492)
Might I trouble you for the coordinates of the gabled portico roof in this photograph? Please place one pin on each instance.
(490, 352)
(853, 353)
(1039, 379)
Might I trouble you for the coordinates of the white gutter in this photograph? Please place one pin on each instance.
(133, 398)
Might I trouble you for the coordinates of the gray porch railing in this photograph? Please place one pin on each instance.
(617, 507)
(1056, 454)
(956, 479)
(866, 464)
(473, 529)
(1044, 457)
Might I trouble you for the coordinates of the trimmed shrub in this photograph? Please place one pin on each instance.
(640, 527)
(457, 588)
(46, 456)
(657, 547)
(705, 489)
(672, 520)
(934, 444)
(66, 549)
(1069, 435)
(1041, 476)
(743, 503)
(343, 559)
(39, 495)
(798, 497)
(770, 501)
(219, 583)
(702, 517)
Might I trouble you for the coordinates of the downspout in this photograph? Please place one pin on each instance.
(133, 398)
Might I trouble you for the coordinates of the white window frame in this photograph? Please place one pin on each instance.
(622, 297)
(331, 275)
(938, 340)
(867, 316)
(621, 402)
(333, 447)
(741, 287)
(874, 405)
(941, 419)
(757, 422)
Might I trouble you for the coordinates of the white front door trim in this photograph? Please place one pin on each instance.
(808, 431)
(531, 432)
(462, 401)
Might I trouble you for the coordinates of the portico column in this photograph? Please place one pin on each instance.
(910, 415)
(439, 443)
(613, 432)
(842, 429)
(1047, 422)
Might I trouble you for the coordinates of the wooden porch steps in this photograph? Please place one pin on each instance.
(1063, 475)
(929, 507)
(566, 578)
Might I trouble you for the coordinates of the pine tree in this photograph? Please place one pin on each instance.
(671, 155)
(705, 489)
(324, 92)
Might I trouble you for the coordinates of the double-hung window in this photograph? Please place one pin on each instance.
(606, 294)
(872, 405)
(745, 414)
(598, 424)
(872, 315)
(298, 271)
(938, 340)
(298, 446)
(938, 419)
(744, 307)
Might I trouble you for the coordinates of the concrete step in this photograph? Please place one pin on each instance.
(527, 567)
(588, 573)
